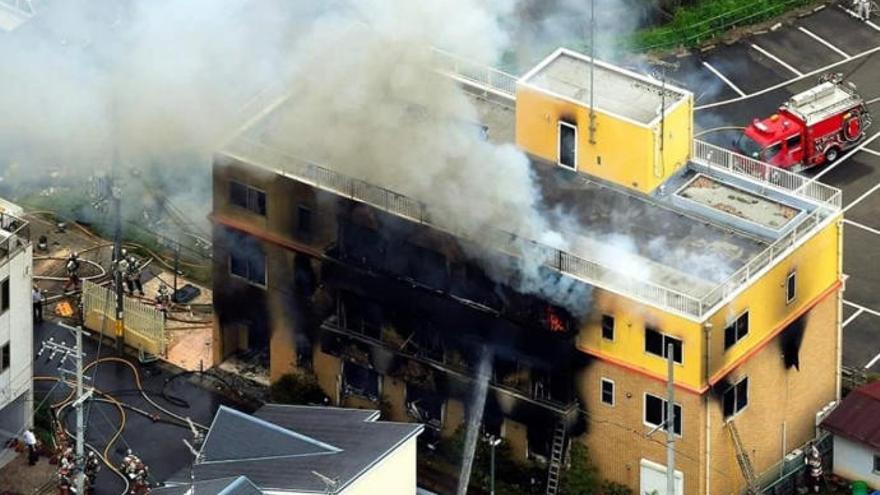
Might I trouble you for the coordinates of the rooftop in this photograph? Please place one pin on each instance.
(699, 239)
(857, 418)
(616, 91)
(281, 446)
(226, 486)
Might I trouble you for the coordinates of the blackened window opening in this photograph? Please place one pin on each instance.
(304, 220)
(736, 398)
(736, 331)
(607, 327)
(656, 343)
(4, 295)
(424, 406)
(361, 381)
(246, 258)
(567, 145)
(655, 413)
(247, 197)
(608, 392)
(4, 357)
(791, 287)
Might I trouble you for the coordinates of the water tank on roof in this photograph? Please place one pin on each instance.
(811, 95)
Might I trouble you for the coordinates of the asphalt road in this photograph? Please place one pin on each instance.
(160, 444)
(751, 78)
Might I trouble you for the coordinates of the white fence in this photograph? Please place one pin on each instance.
(144, 323)
(475, 74)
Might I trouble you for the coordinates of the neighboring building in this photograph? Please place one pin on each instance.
(737, 265)
(16, 322)
(295, 450)
(227, 486)
(855, 424)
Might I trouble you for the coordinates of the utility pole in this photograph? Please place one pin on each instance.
(77, 353)
(117, 273)
(176, 269)
(670, 419)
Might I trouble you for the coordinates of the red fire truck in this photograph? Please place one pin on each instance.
(812, 128)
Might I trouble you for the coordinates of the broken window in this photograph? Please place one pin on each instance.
(360, 381)
(304, 220)
(567, 145)
(736, 398)
(607, 327)
(607, 392)
(247, 259)
(655, 413)
(424, 406)
(247, 197)
(657, 343)
(736, 331)
(791, 287)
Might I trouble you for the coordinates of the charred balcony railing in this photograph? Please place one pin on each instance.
(16, 233)
(588, 271)
(334, 325)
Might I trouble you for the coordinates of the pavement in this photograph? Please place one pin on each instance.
(751, 77)
(160, 445)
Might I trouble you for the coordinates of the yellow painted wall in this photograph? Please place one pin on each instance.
(395, 474)
(628, 347)
(625, 153)
(816, 264)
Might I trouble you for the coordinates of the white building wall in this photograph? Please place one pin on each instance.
(855, 461)
(395, 474)
(16, 327)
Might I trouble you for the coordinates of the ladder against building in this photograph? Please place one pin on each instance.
(742, 458)
(557, 452)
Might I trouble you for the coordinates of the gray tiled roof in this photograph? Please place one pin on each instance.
(224, 486)
(281, 447)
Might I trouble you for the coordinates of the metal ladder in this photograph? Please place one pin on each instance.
(557, 451)
(742, 458)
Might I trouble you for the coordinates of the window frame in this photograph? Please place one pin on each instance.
(5, 356)
(347, 391)
(4, 295)
(735, 389)
(735, 325)
(301, 212)
(664, 336)
(663, 403)
(791, 283)
(602, 383)
(606, 317)
(876, 463)
(247, 278)
(559, 127)
(248, 190)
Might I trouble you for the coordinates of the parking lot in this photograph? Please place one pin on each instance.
(736, 83)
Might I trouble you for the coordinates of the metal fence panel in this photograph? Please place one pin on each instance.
(144, 323)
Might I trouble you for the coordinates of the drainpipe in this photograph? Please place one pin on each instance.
(839, 323)
(708, 333)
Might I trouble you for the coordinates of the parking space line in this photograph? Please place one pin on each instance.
(873, 361)
(862, 197)
(783, 84)
(850, 12)
(777, 60)
(869, 150)
(859, 306)
(851, 318)
(823, 41)
(861, 226)
(713, 70)
(842, 159)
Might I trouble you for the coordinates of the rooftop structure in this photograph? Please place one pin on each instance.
(857, 418)
(615, 90)
(750, 215)
(821, 102)
(226, 486)
(281, 448)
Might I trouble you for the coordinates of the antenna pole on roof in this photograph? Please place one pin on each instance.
(592, 69)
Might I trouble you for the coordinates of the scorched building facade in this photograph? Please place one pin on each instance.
(735, 264)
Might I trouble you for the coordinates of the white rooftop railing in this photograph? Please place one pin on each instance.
(475, 74)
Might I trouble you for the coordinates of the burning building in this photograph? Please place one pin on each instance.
(396, 289)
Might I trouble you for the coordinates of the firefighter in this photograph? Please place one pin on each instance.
(72, 266)
(134, 276)
(30, 441)
(37, 297)
(163, 298)
(137, 473)
(863, 9)
(65, 480)
(814, 463)
(91, 468)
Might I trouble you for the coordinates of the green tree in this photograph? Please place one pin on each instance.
(582, 477)
(299, 387)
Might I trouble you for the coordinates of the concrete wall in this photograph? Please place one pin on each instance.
(16, 328)
(855, 461)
